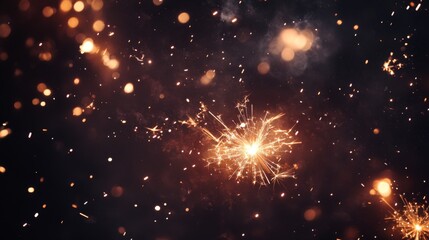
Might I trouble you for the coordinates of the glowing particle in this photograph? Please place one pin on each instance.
(76, 81)
(376, 131)
(339, 22)
(187, 209)
(157, 208)
(2, 169)
(24, 5)
(36, 215)
(78, 6)
(87, 46)
(109, 159)
(355, 27)
(47, 92)
(183, 17)
(310, 214)
(157, 2)
(4, 30)
(117, 191)
(73, 22)
(97, 5)
(30, 189)
(98, 26)
(263, 67)
(77, 111)
(5, 132)
(84, 215)
(288, 54)
(256, 215)
(383, 187)
(48, 11)
(66, 5)
(208, 77)
(129, 88)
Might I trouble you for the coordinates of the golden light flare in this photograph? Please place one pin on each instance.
(391, 65)
(98, 26)
(129, 88)
(412, 220)
(2, 169)
(31, 190)
(291, 41)
(87, 46)
(77, 111)
(383, 187)
(183, 17)
(73, 22)
(78, 6)
(5, 132)
(253, 148)
(66, 5)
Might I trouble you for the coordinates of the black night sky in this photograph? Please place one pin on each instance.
(96, 99)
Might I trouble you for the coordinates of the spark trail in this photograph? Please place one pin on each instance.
(252, 148)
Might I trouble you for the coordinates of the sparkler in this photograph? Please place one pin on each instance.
(252, 148)
(412, 220)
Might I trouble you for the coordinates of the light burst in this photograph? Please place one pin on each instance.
(251, 148)
(412, 220)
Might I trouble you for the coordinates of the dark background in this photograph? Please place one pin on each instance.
(338, 159)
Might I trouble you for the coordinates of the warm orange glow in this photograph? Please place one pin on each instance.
(31, 189)
(263, 68)
(2, 169)
(73, 22)
(78, 6)
(66, 5)
(35, 101)
(310, 214)
(157, 2)
(97, 5)
(5, 132)
(45, 56)
(207, 78)
(87, 46)
(17, 105)
(41, 87)
(287, 54)
(77, 111)
(355, 27)
(129, 88)
(183, 17)
(376, 131)
(98, 26)
(339, 22)
(5, 30)
(383, 187)
(76, 81)
(47, 92)
(48, 11)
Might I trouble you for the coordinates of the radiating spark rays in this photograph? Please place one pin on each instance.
(412, 220)
(253, 148)
(391, 65)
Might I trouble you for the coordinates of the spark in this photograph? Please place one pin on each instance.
(391, 65)
(412, 220)
(252, 148)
